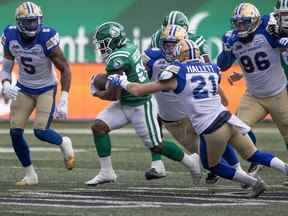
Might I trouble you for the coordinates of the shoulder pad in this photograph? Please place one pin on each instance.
(49, 37)
(170, 72)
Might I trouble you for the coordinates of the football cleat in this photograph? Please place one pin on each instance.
(152, 173)
(258, 188)
(212, 179)
(68, 153)
(252, 171)
(28, 180)
(102, 178)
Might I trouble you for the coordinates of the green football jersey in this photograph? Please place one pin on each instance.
(128, 58)
(284, 62)
(198, 40)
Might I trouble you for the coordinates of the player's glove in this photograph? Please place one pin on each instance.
(272, 26)
(61, 112)
(9, 91)
(283, 42)
(234, 77)
(228, 40)
(118, 80)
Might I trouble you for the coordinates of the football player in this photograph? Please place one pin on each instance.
(35, 48)
(257, 52)
(120, 55)
(196, 83)
(171, 113)
(179, 18)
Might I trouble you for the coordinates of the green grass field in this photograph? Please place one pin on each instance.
(62, 192)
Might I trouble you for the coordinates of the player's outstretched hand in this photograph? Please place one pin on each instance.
(61, 112)
(118, 80)
(10, 91)
(234, 77)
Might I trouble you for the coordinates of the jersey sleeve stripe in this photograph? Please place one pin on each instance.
(116, 56)
(122, 53)
(199, 39)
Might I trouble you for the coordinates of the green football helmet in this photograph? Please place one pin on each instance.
(108, 37)
(176, 18)
(281, 15)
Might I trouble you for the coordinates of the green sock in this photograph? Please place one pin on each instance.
(155, 156)
(102, 144)
(172, 150)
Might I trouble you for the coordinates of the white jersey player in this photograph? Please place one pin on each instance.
(35, 48)
(258, 53)
(196, 84)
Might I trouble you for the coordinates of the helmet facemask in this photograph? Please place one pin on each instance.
(103, 46)
(29, 26)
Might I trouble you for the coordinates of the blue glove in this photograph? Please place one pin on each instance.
(228, 40)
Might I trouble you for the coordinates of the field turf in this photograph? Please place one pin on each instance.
(62, 192)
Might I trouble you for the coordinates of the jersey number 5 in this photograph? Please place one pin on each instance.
(261, 61)
(28, 67)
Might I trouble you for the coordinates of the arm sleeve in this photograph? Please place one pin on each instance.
(225, 60)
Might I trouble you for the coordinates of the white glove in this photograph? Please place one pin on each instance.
(93, 89)
(118, 80)
(9, 91)
(62, 107)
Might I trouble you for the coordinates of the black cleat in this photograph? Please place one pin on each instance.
(212, 179)
(152, 173)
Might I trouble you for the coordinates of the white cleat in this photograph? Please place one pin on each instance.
(68, 153)
(28, 181)
(259, 188)
(102, 178)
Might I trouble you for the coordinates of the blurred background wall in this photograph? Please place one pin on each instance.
(76, 21)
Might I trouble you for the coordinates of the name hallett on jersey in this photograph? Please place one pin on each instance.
(199, 68)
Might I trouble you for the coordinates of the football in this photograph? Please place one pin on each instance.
(100, 81)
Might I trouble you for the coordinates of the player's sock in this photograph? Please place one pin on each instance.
(230, 156)
(261, 157)
(224, 170)
(106, 163)
(30, 171)
(20, 146)
(172, 151)
(102, 144)
(48, 135)
(238, 167)
(278, 164)
(155, 156)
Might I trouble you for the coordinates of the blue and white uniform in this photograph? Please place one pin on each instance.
(260, 61)
(197, 90)
(170, 108)
(36, 70)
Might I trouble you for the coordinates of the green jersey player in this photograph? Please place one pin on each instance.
(179, 18)
(122, 56)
